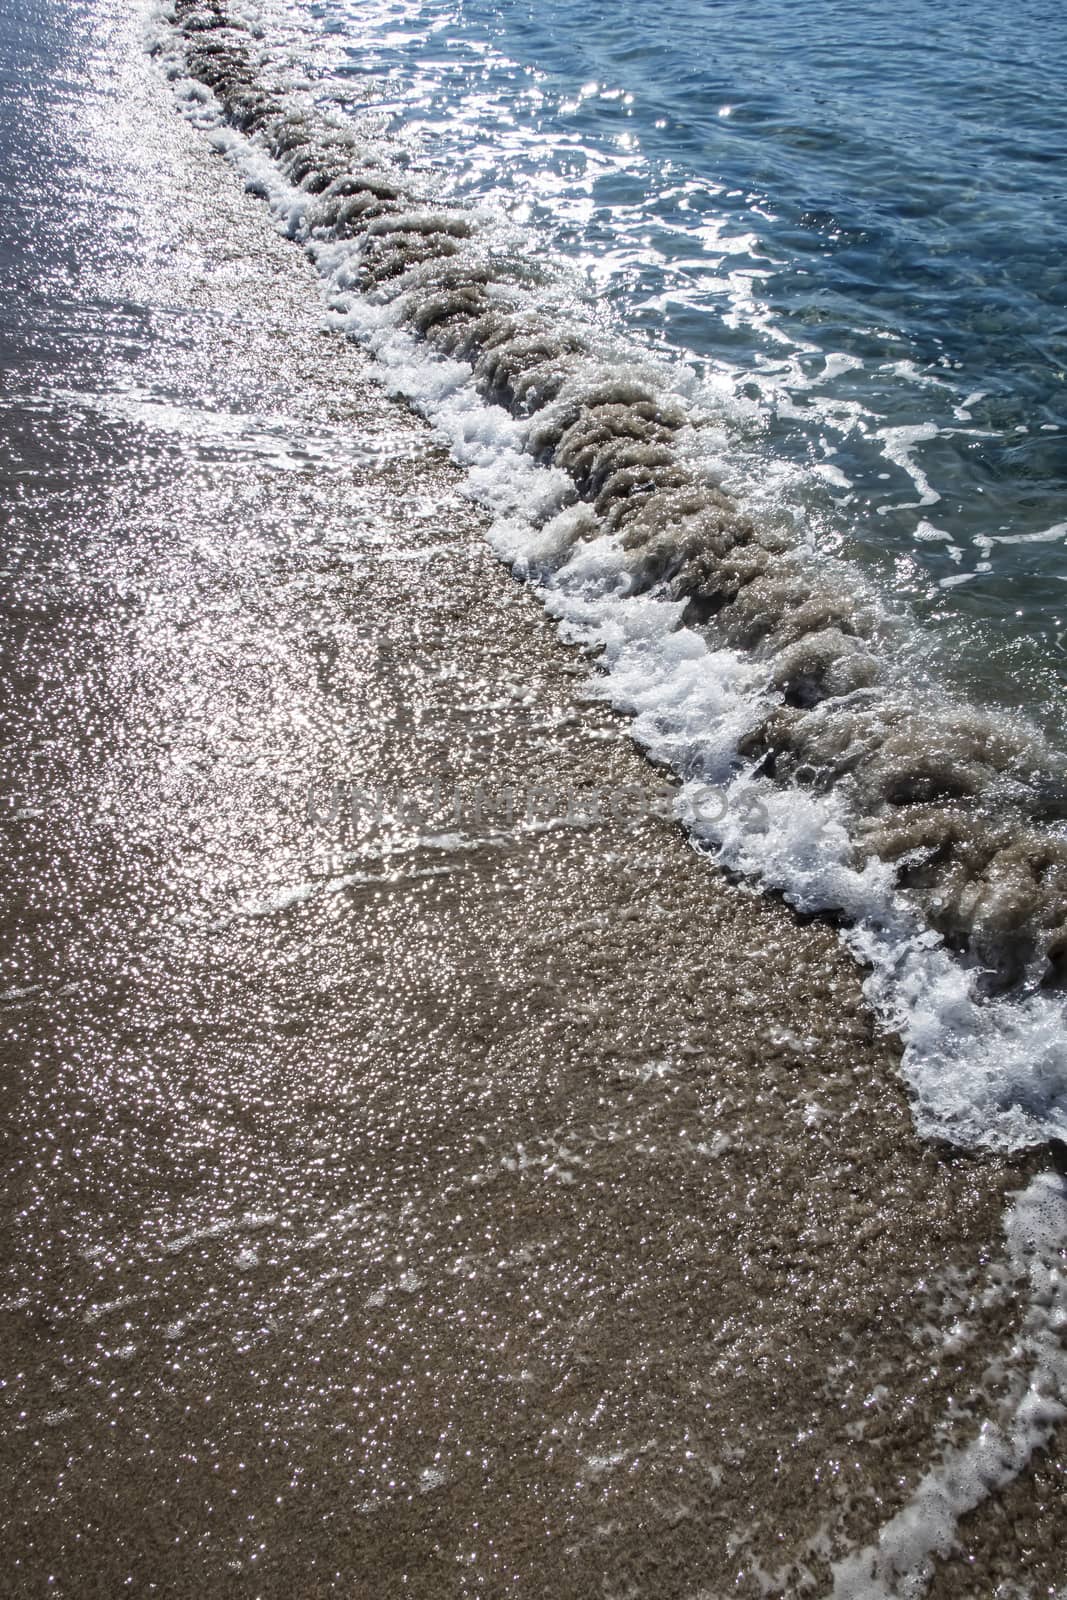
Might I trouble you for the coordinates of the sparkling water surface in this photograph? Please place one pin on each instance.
(847, 218)
(389, 1212)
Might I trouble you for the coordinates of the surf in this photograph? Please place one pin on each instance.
(748, 659)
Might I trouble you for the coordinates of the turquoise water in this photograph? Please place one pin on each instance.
(848, 218)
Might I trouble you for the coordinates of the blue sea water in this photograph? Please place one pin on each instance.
(849, 217)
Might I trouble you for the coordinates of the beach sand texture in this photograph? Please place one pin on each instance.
(416, 1206)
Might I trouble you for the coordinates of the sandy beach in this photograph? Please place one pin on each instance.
(433, 1202)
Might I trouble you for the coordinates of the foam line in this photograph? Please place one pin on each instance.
(748, 662)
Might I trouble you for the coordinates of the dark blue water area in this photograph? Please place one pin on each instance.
(848, 215)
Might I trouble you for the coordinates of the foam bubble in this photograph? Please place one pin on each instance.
(900, 1563)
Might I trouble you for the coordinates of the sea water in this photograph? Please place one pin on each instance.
(257, 1186)
(849, 217)
(694, 481)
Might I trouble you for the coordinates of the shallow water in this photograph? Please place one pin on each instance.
(847, 218)
(408, 1211)
(750, 657)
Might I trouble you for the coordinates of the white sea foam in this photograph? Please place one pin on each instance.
(981, 1073)
(899, 445)
(900, 1563)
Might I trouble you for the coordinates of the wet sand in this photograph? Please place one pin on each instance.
(399, 1207)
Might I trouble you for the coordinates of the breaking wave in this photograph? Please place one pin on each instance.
(750, 663)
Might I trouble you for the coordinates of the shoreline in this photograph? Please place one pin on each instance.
(545, 1206)
(746, 664)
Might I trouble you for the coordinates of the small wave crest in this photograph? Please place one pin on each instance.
(934, 827)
